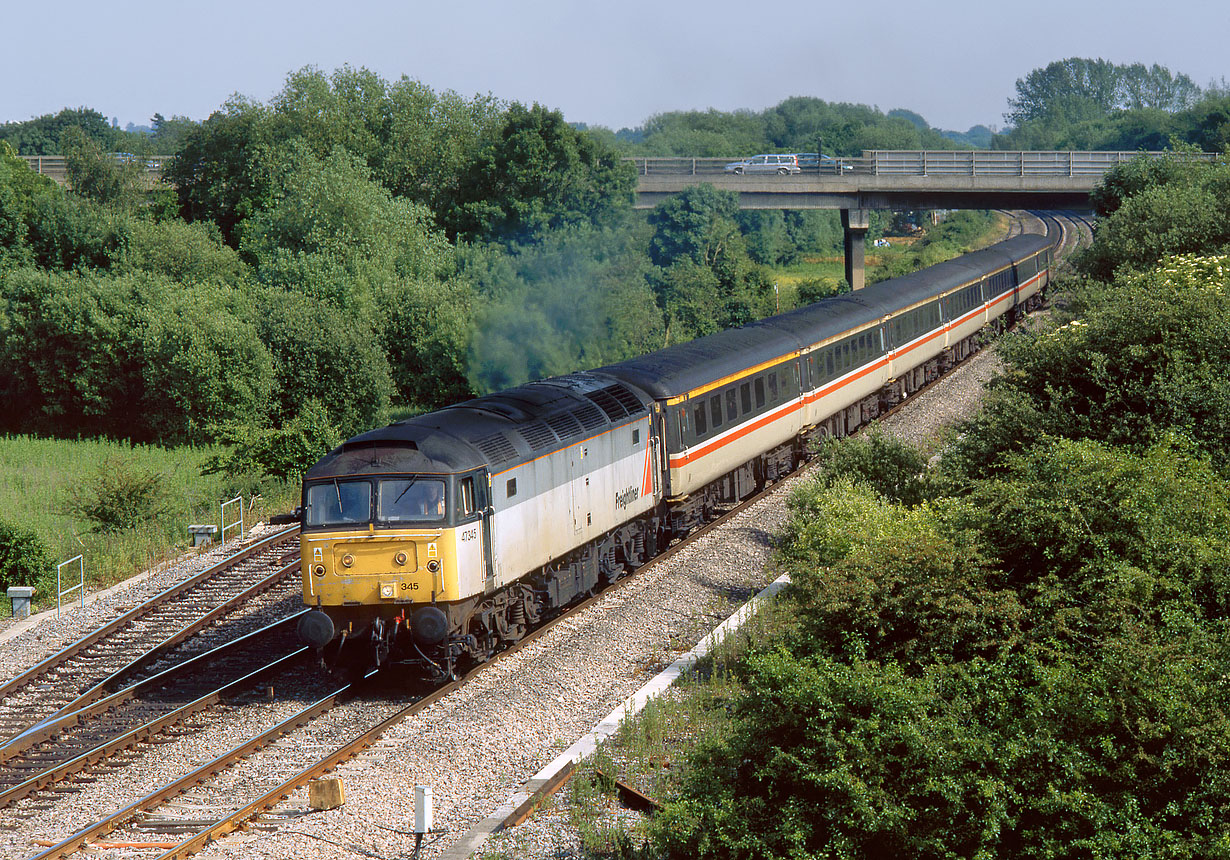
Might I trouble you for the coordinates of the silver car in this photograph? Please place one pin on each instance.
(780, 164)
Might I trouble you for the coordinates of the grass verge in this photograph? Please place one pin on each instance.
(38, 478)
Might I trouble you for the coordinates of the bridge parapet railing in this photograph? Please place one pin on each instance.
(57, 165)
(662, 165)
(965, 162)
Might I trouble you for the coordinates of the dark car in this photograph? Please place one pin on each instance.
(821, 162)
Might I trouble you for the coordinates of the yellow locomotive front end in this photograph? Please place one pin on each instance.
(387, 562)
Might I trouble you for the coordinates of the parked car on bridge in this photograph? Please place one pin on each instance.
(821, 162)
(781, 164)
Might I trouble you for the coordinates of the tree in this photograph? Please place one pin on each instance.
(169, 134)
(695, 224)
(44, 135)
(224, 170)
(347, 371)
(98, 176)
(537, 176)
(432, 140)
(1078, 89)
(1169, 218)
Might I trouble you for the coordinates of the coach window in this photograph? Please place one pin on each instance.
(715, 410)
(745, 397)
(698, 416)
(828, 360)
(759, 383)
(845, 355)
(773, 387)
(732, 405)
(683, 424)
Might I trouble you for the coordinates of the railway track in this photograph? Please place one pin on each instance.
(289, 772)
(132, 645)
(283, 770)
(70, 746)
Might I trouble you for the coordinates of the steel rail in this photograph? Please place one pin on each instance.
(140, 733)
(105, 686)
(45, 730)
(72, 650)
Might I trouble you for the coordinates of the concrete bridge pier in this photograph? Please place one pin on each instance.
(856, 222)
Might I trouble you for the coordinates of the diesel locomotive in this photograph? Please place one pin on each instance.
(437, 540)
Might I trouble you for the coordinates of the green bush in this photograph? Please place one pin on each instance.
(121, 495)
(24, 558)
(893, 469)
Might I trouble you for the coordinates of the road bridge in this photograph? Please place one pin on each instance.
(880, 179)
(897, 179)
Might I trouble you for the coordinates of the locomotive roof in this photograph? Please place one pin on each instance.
(497, 430)
(684, 367)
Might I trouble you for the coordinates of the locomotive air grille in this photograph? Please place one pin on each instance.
(496, 447)
(564, 425)
(590, 417)
(538, 435)
(626, 398)
(608, 404)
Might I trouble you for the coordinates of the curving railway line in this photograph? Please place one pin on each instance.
(287, 741)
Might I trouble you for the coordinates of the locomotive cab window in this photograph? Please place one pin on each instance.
(338, 503)
(402, 500)
(636, 435)
(467, 497)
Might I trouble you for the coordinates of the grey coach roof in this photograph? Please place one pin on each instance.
(681, 368)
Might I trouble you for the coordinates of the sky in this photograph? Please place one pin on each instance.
(613, 64)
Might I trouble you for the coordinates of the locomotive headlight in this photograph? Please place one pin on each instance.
(347, 560)
(388, 590)
(433, 565)
(400, 558)
(318, 569)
